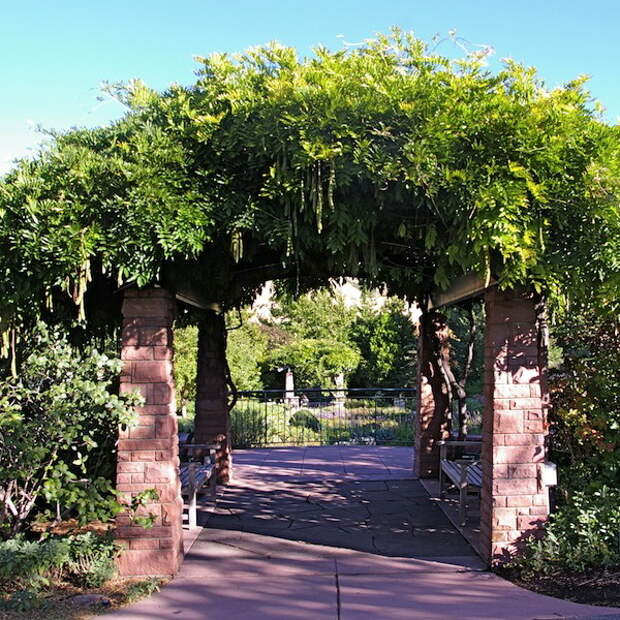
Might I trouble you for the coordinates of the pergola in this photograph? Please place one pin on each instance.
(514, 501)
(387, 163)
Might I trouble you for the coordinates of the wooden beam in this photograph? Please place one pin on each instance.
(469, 286)
(190, 298)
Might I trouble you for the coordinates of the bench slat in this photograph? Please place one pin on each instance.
(203, 473)
(453, 471)
(475, 473)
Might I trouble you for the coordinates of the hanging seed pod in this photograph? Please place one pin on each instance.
(236, 245)
(331, 184)
(49, 300)
(5, 347)
(319, 206)
(13, 354)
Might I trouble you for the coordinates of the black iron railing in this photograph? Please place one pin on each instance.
(323, 417)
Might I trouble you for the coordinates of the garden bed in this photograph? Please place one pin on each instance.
(60, 603)
(592, 588)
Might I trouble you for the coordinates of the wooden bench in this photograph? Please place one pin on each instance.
(196, 476)
(464, 473)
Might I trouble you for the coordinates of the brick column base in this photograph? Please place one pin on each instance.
(148, 454)
(514, 504)
(432, 403)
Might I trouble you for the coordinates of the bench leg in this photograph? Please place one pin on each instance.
(191, 511)
(191, 499)
(463, 504)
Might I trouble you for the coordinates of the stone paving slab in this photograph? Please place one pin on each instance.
(248, 597)
(394, 518)
(358, 538)
(441, 595)
(244, 575)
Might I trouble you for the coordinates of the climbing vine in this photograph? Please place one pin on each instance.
(386, 161)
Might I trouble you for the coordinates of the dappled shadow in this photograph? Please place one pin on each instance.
(308, 496)
(381, 549)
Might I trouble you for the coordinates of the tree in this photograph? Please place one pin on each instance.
(319, 314)
(462, 361)
(246, 349)
(316, 362)
(185, 352)
(387, 342)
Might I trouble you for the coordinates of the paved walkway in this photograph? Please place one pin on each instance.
(339, 532)
(362, 498)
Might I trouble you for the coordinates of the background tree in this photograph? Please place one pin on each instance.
(387, 342)
(315, 362)
(246, 350)
(463, 366)
(184, 368)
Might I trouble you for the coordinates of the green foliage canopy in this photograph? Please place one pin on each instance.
(386, 161)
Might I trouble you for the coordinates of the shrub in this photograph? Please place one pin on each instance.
(306, 419)
(585, 414)
(260, 424)
(584, 534)
(359, 403)
(58, 426)
(253, 423)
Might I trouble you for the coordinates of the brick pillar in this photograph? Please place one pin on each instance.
(432, 401)
(513, 502)
(148, 454)
(212, 421)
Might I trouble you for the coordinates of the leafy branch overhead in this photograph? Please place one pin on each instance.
(386, 162)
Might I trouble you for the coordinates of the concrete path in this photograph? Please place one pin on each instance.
(342, 532)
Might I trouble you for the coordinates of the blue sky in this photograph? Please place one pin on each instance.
(54, 55)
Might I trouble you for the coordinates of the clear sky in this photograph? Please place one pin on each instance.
(55, 54)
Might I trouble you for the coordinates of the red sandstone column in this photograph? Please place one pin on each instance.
(212, 421)
(148, 453)
(514, 503)
(432, 414)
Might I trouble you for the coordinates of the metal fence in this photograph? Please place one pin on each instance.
(320, 417)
